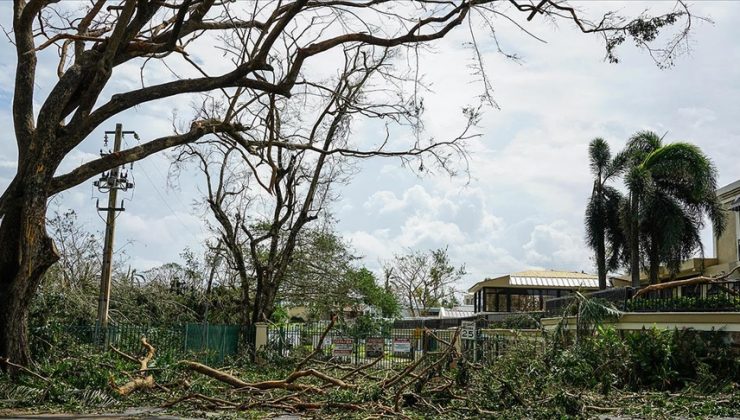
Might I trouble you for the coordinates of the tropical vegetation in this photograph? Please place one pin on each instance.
(671, 189)
(604, 232)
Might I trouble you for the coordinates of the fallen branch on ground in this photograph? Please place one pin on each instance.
(319, 345)
(7, 362)
(287, 383)
(143, 382)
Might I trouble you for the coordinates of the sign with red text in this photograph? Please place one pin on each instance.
(342, 346)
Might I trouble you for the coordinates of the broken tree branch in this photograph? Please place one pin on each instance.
(7, 362)
(142, 382)
(319, 345)
(681, 283)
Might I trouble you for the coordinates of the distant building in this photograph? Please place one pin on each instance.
(468, 299)
(527, 290)
(727, 245)
(437, 318)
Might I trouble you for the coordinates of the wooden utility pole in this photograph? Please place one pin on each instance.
(110, 182)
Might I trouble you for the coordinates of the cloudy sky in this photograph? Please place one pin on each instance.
(522, 204)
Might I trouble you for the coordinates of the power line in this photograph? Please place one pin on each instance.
(167, 204)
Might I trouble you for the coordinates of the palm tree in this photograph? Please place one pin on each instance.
(671, 189)
(603, 232)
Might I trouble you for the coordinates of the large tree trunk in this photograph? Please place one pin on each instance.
(634, 241)
(26, 252)
(268, 305)
(258, 297)
(264, 297)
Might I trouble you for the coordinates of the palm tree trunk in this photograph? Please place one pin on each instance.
(601, 235)
(601, 263)
(654, 261)
(634, 240)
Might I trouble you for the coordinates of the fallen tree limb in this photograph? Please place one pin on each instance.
(423, 376)
(352, 370)
(361, 368)
(134, 384)
(313, 372)
(287, 383)
(405, 372)
(409, 369)
(145, 382)
(7, 362)
(215, 374)
(319, 345)
(124, 355)
(687, 282)
(510, 388)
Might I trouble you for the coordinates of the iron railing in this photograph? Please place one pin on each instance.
(722, 296)
(347, 344)
(617, 296)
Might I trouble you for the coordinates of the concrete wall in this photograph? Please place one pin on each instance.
(726, 246)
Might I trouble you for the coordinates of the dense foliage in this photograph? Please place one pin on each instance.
(648, 374)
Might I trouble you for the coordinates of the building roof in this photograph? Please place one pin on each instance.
(542, 279)
(462, 311)
(729, 190)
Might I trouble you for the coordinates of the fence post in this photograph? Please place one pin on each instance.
(457, 343)
(424, 344)
(357, 349)
(260, 335)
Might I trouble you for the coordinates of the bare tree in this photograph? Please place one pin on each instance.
(79, 251)
(423, 280)
(265, 46)
(260, 224)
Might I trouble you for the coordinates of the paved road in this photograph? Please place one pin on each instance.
(130, 413)
(134, 412)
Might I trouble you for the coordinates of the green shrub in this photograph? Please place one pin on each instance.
(687, 303)
(521, 321)
(651, 358)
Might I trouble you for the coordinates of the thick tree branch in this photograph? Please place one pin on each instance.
(92, 168)
(124, 101)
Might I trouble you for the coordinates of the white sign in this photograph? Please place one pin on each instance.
(467, 331)
(342, 346)
(401, 345)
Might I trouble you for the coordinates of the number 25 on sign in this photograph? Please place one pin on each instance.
(468, 330)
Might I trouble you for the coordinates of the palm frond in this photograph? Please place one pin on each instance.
(96, 398)
(19, 394)
(594, 311)
(599, 155)
(641, 144)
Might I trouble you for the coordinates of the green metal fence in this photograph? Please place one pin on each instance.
(205, 342)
